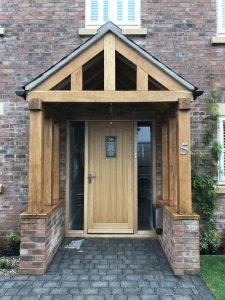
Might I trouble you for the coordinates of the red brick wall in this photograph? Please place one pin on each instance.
(39, 33)
(180, 242)
(40, 239)
(219, 216)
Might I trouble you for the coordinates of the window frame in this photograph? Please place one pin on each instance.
(112, 14)
(221, 132)
(220, 29)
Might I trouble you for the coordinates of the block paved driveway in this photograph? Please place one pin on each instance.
(106, 269)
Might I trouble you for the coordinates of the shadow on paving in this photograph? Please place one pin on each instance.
(104, 268)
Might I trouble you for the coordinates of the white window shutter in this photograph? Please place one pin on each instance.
(120, 10)
(222, 157)
(131, 10)
(221, 17)
(106, 10)
(94, 10)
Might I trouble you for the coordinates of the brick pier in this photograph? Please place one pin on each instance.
(41, 235)
(180, 242)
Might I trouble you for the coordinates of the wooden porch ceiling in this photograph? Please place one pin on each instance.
(94, 111)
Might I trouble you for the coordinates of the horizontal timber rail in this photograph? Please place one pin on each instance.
(108, 96)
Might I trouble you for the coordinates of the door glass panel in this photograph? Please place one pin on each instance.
(76, 203)
(110, 146)
(144, 162)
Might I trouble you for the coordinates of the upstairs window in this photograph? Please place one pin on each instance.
(120, 12)
(221, 17)
(221, 139)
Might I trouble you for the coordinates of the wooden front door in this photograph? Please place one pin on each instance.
(111, 177)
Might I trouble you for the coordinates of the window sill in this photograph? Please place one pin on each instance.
(2, 31)
(220, 189)
(218, 40)
(126, 31)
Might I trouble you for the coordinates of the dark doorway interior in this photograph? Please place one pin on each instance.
(76, 203)
(144, 156)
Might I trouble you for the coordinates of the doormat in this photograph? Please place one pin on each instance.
(75, 244)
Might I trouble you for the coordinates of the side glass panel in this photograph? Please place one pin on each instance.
(144, 156)
(76, 201)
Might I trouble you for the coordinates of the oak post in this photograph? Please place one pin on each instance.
(77, 80)
(56, 164)
(142, 80)
(48, 157)
(172, 162)
(184, 159)
(35, 194)
(165, 164)
(109, 63)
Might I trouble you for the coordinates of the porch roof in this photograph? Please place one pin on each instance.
(108, 27)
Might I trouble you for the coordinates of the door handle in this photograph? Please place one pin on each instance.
(90, 177)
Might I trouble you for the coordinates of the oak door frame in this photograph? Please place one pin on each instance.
(84, 233)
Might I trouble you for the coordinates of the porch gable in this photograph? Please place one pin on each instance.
(109, 40)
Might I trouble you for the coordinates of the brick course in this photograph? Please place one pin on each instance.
(40, 238)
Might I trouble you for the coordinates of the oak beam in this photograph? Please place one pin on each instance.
(184, 162)
(35, 104)
(56, 164)
(35, 194)
(109, 63)
(184, 103)
(108, 96)
(142, 80)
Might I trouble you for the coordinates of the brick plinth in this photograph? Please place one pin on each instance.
(180, 242)
(41, 236)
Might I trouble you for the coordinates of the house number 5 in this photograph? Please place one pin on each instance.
(184, 148)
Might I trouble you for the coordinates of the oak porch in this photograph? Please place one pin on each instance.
(44, 149)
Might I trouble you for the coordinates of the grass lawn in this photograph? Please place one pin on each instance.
(213, 273)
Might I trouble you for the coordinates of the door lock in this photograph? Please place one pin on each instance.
(90, 177)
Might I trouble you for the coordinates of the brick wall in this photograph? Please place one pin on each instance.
(180, 242)
(219, 216)
(39, 33)
(40, 239)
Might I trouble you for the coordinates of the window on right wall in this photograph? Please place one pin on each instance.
(221, 17)
(221, 140)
